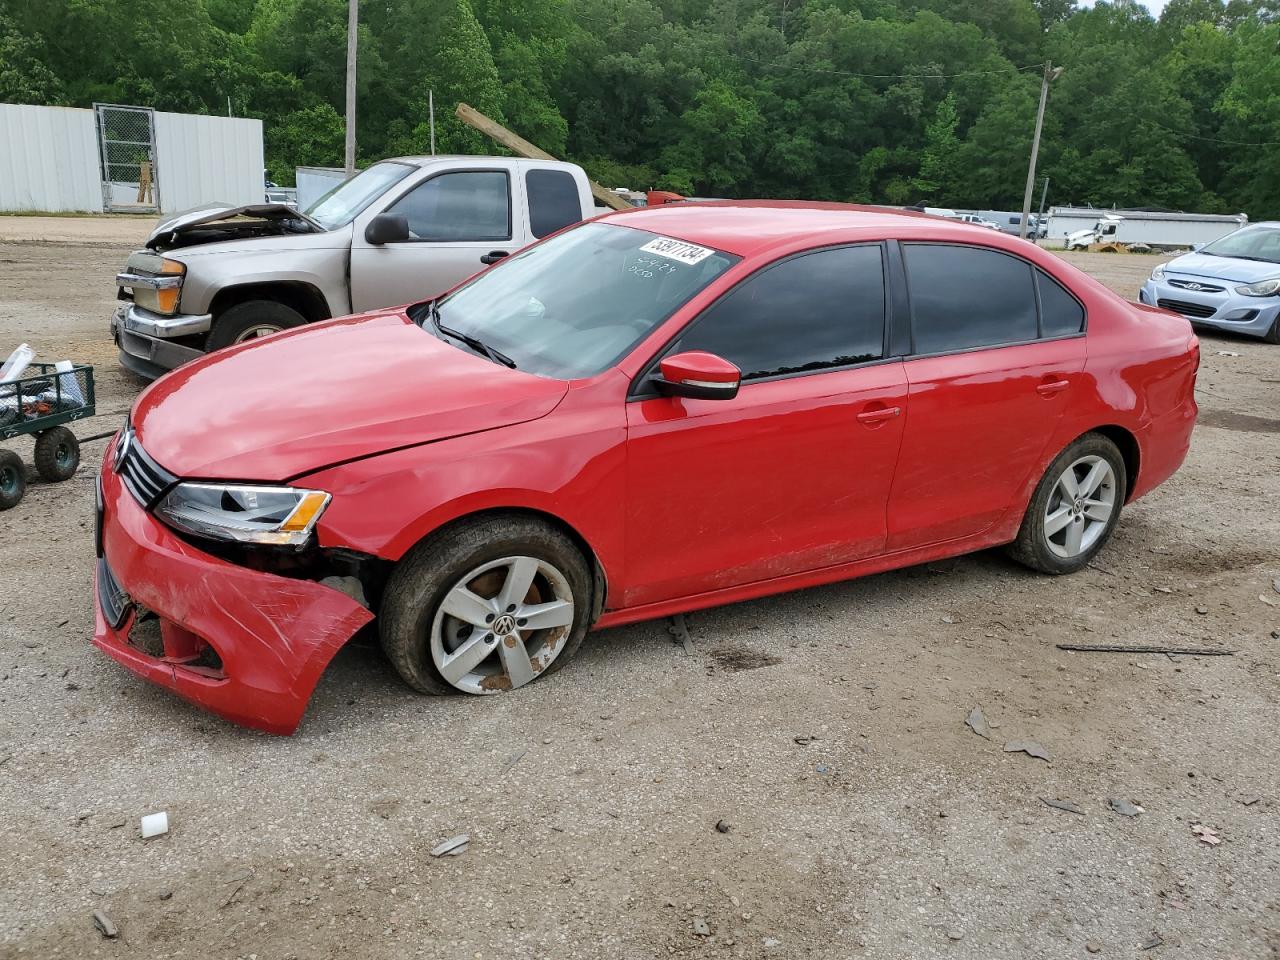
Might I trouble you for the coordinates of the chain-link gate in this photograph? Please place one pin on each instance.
(127, 142)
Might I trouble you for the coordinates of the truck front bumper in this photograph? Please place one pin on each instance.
(246, 645)
(146, 339)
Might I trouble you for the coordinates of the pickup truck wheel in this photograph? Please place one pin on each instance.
(250, 320)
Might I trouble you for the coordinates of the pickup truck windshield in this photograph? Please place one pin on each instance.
(344, 202)
(573, 306)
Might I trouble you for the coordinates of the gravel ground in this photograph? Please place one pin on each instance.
(824, 727)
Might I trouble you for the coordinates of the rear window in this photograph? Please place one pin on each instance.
(1060, 313)
(965, 297)
(553, 201)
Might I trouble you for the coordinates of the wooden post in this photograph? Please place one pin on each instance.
(353, 31)
(522, 147)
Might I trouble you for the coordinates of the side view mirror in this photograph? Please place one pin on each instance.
(387, 228)
(1196, 247)
(697, 375)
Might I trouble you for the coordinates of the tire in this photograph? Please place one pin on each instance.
(251, 319)
(1273, 335)
(1071, 546)
(430, 647)
(57, 454)
(13, 480)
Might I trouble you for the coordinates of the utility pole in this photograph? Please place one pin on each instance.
(352, 33)
(431, 116)
(1051, 73)
(1044, 193)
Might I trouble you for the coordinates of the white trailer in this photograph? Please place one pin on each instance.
(1144, 226)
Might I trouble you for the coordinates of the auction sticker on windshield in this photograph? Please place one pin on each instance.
(677, 250)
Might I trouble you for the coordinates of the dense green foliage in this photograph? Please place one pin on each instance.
(871, 100)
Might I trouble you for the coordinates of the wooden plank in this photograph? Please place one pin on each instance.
(523, 148)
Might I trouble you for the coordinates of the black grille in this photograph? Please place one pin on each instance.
(114, 601)
(1187, 309)
(1196, 285)
(145, 478)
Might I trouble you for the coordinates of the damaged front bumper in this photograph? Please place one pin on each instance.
(246, 645)
(147, 340)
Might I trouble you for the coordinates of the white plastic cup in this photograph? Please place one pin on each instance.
(154, 824)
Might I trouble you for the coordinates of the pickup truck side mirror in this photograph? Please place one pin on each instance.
(698, 375)
(387, 228)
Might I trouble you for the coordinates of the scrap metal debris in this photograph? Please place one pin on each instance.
(723, 826)
(805, 740)
(513, 760)
(1206, 834)
(679, 629)
(1152, 941)
(1030, 747)
(453, 847)
(104, 925)
(1144, 648)
(1066, 805)
(1123, 807)
(978, 723)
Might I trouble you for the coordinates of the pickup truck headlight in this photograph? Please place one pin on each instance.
(1158, 272)
(274, 516)
(1263, 288)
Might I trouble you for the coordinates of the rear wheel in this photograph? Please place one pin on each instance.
(13, 482)
(487, 606)
(57, 454)
(251, 320)
(1075, 507)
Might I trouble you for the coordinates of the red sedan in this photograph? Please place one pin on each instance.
(654, 412)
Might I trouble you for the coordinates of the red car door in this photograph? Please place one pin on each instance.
(998, 351)
(794, 473)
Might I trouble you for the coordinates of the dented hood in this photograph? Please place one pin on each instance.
(336, 391)
(166, 230)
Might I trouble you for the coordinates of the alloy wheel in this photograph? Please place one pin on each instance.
(258, 330)
(501, 625)
(1080, 507)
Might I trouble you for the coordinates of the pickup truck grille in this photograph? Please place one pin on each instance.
(1188, 309)
(146, 479)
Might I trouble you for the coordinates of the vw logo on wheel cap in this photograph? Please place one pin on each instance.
(504, 624)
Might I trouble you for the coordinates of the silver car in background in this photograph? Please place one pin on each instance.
(1230, 284)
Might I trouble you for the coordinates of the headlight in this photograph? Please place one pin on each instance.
(278, 516)
(1158, 272)
(1263, 288)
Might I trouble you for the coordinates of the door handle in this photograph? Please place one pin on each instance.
(879, 415)
(493, 256)
(1049, 388)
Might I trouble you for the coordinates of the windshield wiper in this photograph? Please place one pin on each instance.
(475, 343)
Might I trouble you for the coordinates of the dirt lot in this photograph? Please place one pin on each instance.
(592, 798)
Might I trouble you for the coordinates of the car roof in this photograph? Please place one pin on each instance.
(748, 227)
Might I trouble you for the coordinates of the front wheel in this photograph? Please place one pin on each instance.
(1273, 335)
(250, 320)
(485, 607)
(1075, 507)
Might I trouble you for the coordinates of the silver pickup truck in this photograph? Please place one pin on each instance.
(399, 231)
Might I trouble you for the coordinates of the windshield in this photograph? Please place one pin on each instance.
(1251, 243)
(344, 202)
(572, 306)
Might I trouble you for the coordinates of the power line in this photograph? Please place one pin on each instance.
(1196, 136)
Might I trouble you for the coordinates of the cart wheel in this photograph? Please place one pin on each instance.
(57, 454)
(13, 484)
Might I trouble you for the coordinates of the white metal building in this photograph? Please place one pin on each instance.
(1145, 226)
(54, 159)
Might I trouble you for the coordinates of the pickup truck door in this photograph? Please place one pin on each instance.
(456, 217)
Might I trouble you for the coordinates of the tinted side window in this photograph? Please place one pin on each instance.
(964, 297)
(1060, 313)
(823, 309)
(467, 205)
(553, 201)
